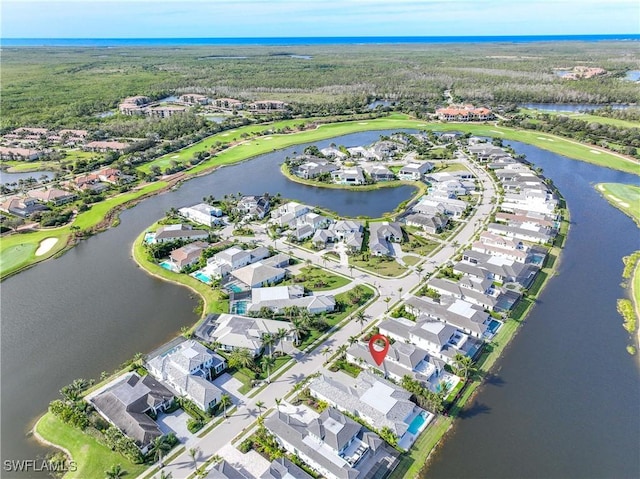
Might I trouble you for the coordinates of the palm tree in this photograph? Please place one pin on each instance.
(326, 351)
(193, 452)
(158, 449)
(464, 365)
(260, 405)
(115, 472)
(280, 335)
(267, 362)
(225, 402)
(278, 402)
(419, 270)
(361, 318)
(387, 300)
(400, 292)
(267, 342)
(353, 340)
(298, 327)
(240, 358)
(342, 350)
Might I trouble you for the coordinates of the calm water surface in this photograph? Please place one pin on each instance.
(6, 178)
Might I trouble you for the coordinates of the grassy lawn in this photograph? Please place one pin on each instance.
(214, 300)
(451, 167)
(382, 265)
(624, 197)
(419, 245)
(91, 457)
(245, 376)
(411, 260)
(318, 279)
(587, 117)
(15, 166)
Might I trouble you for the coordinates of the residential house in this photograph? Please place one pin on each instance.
(202, 213)
(415, 171)
(376, 401)
(464, 113)
(16, 153)
(224, 470)
(284, 214)
(379, 173)
(333, 152)
(133, 105)
(381, 235)
(283, 468)
(188, 368)
(257, 275)
(267, 106)
(469, 318)
(179, 232)
(312, 168)
(349, 176)
(362, 153)
(322, 237)
(440, 340)
(126, 403)
(233, 331)
(234, 257)
(53, 195)
(278, 298)
(533, 234)
(332, 444)
(187, 254)
(496, 268)
(254, 206)
(431, 204)
(301, 233)
(104, 146)
(23, 207)
(433, 223)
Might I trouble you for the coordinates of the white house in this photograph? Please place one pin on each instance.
(202, 213)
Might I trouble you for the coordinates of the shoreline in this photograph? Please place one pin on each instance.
(46, 442)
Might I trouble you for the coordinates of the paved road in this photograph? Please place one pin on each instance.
(308, 364)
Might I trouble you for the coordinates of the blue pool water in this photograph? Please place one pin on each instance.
(203, 277)
(239, 307)
(417, 424)
(235, 288)
(166, 265)
(494, 326)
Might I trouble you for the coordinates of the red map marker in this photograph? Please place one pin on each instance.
(378, 355)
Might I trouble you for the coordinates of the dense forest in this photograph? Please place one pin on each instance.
(72, 86)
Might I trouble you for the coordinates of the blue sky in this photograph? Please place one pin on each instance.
(288, 18)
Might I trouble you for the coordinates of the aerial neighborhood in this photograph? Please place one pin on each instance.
(291, 289)
(282, 277)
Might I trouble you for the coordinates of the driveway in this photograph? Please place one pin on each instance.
(230, 385)
(177, 422)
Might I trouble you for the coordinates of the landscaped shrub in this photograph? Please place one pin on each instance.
(245, 446)
(194, 425)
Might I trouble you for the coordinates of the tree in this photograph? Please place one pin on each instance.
(387, 300)
(342, 350)
(361, 318)
(225, 402)
(419, 270)
(464, 365)
(159, 447)
(326, 351)
(260, 405)
(115, 472)
(240, 358)
(267, 343)
(267, 362)
(278, 402)
(193, 452)
(280, 335)
(353, 340)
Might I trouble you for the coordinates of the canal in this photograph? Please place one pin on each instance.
(563, 403)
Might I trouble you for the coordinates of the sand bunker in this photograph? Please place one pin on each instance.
(363, 123)
(595, 151)
(624, 204)
(46, 245)
(496, 131)
(175, 156)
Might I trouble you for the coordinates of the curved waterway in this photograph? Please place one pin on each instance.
(564, 403)
(93, 308)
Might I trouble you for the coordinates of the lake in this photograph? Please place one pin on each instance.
(7, 178)
(567, 382)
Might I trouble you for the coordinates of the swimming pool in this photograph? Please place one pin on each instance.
(202, 277)
(235, 288)
(167, 265)
(418, 423)
(239, 307)
(493, 326)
